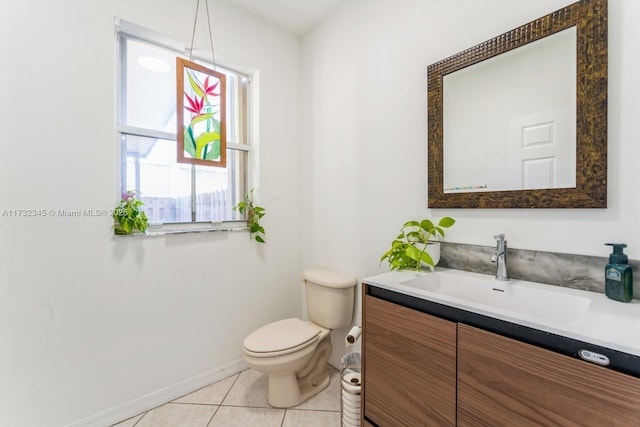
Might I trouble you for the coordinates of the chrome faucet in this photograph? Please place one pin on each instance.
(500, 256)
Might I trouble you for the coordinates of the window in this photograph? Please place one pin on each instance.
(174, 192)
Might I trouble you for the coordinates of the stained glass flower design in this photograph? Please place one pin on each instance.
(202, 115)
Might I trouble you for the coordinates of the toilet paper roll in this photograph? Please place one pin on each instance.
(353, 336)
(351, 383)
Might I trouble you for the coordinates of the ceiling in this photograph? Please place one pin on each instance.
(296, 16)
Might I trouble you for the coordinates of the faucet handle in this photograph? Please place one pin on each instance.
(499, 237)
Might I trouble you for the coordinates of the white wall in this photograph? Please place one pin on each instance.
(365, 72)
(89, 322)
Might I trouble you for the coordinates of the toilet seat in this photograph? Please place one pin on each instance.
(281, 338)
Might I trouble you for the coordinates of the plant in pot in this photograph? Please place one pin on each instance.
(128, 215)
(253, 213)
(413, 246)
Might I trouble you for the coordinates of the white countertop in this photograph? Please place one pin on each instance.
(597, 319)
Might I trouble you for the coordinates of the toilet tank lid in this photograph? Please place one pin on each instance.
(331, 279)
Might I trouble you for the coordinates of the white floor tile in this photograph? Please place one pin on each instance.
(231, 416)
(243, 402)
(297, 418)
(178, 415)
(329, 398)
(210, 395)
(250, 389)
(130, 422)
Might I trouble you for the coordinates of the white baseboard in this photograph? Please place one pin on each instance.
(159, 397)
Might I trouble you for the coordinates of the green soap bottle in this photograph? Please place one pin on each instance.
(618, 275)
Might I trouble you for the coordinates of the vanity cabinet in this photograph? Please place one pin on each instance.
(504, 382)
(409, 366)
(422, 370)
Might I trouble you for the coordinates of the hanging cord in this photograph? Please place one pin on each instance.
(193, 34)
(213, 54)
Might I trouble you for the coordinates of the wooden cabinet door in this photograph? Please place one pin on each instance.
(409, 366)
(504, 382)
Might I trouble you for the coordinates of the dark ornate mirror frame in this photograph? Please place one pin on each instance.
(590, 19)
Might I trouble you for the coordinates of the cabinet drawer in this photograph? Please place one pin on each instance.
(410, 366)
(504, 382)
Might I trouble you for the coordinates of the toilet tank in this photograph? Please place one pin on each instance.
(330, 297)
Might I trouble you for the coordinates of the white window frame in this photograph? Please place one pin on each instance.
(134, 31)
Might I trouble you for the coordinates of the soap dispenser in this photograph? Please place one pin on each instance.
(618, 275)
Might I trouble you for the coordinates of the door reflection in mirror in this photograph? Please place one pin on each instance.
(510, 121)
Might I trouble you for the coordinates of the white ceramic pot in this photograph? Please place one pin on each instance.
(433, 249)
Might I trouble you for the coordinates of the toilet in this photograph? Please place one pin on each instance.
(294, 352)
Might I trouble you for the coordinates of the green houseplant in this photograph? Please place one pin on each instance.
(410, 248)
(128, 215)
(253, 214)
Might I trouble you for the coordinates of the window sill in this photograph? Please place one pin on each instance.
(187, 228)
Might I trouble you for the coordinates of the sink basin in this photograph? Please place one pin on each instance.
(542, 302)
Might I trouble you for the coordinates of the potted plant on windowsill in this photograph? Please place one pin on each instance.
(128, 216)
(413, 247)
(253, 213)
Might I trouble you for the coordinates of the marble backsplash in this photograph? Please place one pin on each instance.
(573, 271)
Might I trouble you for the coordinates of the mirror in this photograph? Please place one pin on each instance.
(533, 143)
(520, 121)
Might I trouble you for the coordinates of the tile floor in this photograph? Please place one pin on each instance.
(241, 400)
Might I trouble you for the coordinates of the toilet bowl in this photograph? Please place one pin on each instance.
(293, 352)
